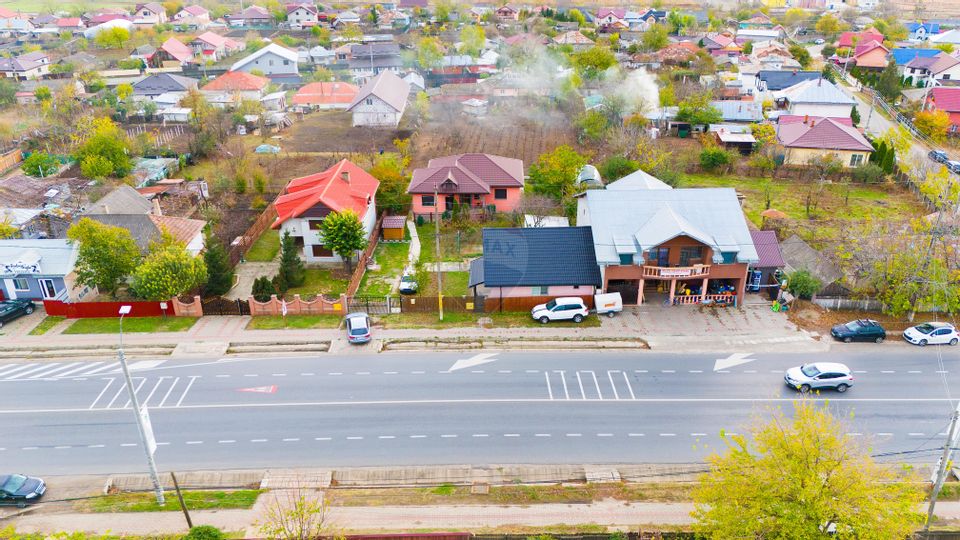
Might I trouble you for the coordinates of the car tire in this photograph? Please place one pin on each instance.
(1, 324)
(922, 343)
(611, 314)
(578, 318)
(879, 340)
(804, 388)
(847, 339)
(28, 310)
(842, 388)
(544, 320)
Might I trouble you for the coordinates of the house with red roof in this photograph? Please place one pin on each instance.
(871, 56)
(211, 46)
(472, 180)
(849, 39)
(612, 19)
(235, 86)
(946, 99)
(172, 51)
(817, 137)
(302, 15)
(306, 201)
(192, 16)
(508, 12)
(326, 95)
(70, 24)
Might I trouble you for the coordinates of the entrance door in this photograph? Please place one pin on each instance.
(629, 289)
(663, 256)
(49, 290)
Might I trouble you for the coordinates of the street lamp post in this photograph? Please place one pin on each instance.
(145, 432)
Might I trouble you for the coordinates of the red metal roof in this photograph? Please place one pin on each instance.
(825, 133)
(326, 93)
(785, 119)
(945, 98)
(469, 173)
(177, 50)
(234, 81)
(345, 186)
(768, 249)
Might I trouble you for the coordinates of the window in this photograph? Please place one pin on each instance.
(286, 62)
(270, 62)
(500, 194)
(856, 160)
(321, 251)
(315, 224)
(540, 291)
(626, 258)
(426, 200)
(689, 253)
(946, 77)
(21, 284)
(369, 101)
(729, 257)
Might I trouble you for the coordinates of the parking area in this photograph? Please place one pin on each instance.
(22, 326)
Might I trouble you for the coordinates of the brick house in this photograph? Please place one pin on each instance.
(812, 137)
(947, 99)
(475, 180)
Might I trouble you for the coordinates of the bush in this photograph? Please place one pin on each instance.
(258, 203)
(204, 532)
(869, 173)
(802, 284)
(40, 164)
(239, 185)
(262, 289)
(94, 166)
(616, 167)
(712, 159)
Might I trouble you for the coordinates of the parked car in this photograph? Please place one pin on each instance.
(11, 309)
(358, 327)
(939, 156)
(408, 285)
(20, 489)
(953, 166)
(818, 41)
(819, 375)
(859, 330)
(932, 333)
(561, 309)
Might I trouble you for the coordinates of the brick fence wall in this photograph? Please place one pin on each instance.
(297, 306)
(183, 309)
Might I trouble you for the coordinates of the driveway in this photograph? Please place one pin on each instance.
(22, 326)
(246, 273)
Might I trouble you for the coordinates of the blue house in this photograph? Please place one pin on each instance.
(39, 269)
(901, 56)
(920, 31)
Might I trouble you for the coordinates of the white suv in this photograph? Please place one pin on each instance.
(932, 333)
(561, 309)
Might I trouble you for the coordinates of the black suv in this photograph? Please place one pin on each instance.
(11, 309)
(939, 156)
(859, 330)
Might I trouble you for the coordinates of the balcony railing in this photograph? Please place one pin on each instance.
(708, 299)
(667, 272)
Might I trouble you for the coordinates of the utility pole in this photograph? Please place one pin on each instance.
(873, 101)
(937, 231)
(436, 238)
(942, 468)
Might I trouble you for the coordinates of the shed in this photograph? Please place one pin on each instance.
(393, 227)
(763, 273)
(475, 107)
(742, 142)
(799, 255)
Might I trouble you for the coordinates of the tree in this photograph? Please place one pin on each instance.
(855, 116)
(655, 38)
(322, 74)
(933, 124)
(616, 167)
(801, 55)
(795, 477)
(43, 93)
(829, 25)
(889, 83)
(8, 92)
(168, 270)
(901, 141)
(374, 15)
(112, 38)
(219, 271)
(322, 34)
(8, 230)
(124, 90)
(765, 134)
(101, 141)
(575, 15)
(715, 157)
(945, 47)
(392, 194)
(802, 284)
(107, 254)
(680, 22)
(295, 514)
(473, 39)
(40, 164)
(262, 289)
(940, 188)
(343, 234)
(891, 28)
(352, 32)
(429, 52)
(748, 48)
(555, 173)
(291, 267)
(593, 61)
(593, 125)
(794, 17)
(697, 110)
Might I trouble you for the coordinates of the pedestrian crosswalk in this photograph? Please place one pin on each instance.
(67, 370)
(589, 385)
(153, 392)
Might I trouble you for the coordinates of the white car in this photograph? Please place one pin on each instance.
(818, 41)
(561, 309)
(819, 375)
(932, 333)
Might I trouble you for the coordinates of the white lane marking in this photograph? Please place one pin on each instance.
(150, 395)
(354, 438)
(915, 434)
(363, 373)
(102, 392)
(915, 371)
(695, 371)
(504, 371)
(859, 371)
(532, 371)
(335, 373)
(604, 434)
(418, 372)
(722, 371)
(13, 367)
(640, 371)
(169, 391)
(574, 434)
(634, 434)
(386, 437)
(749, 371)
(613, 385)
(855, 434)
(292, 439)
(668, 371)
(478, 435)
(95, 446)
(144, 364)
(29, 448)
(35, 369)
(583, 394)
(322, 438)
(511, 434)
(629, 387)
(448, 436)
(278, 374)
(193, 379)
(250, 375)
(668, 434)
(194, 442)
(477, 371)
(63, 447)
(563, 379)
(163, 444)
(52, 371)
(597, 384)
(942, 372)
(887, 371)
(698, 434)
(541, 434)
(129, 444)
(312, 374)
(418, 436)
(885, 434)
(227, 441)
(549, 390)
(258, 440)
(117, 395)
(223, 376)
(389, 372)
(136, 391)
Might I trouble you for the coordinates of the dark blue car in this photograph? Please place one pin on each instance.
(20, 490)
(11, 309)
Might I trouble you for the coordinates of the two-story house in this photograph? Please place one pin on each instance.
(381, 102)
(508, 12)
(214, 47)
(302, 15)
(309, 199)
(194, 16)
(251, 16)
(272, 60)
(26, 66)
(369, 59)
(675, 246)
(934, 70)
(149, 14)
(472, 180)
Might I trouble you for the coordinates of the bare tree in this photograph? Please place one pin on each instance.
(295, 514)
(539, 207)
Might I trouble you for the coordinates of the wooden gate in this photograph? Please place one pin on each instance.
(372, 305)
(222, 306)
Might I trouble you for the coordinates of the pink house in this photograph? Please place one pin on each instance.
(474, 180)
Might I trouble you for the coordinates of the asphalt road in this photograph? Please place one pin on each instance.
(409, 409)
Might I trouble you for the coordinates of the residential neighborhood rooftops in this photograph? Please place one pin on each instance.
(159, 83)
(272, 48)
(739, 111)
(945, 98)
(344, 186)
(469, 173)
(122, 200)
(235, 81)
(825, 133)
(177, 50)
(326, 93)
(778, 80)
(817, 91)
(903, 55)
(541, 256)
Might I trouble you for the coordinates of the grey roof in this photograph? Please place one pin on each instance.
(798, 255)
(817, 91)
(141, 227)
(539, 257)
(638, 180)
(388, 87)
(124, 200)
(160, 83)
(55, 257)
(476, 272)
(739, 111)
(631, 221)
(778, 80)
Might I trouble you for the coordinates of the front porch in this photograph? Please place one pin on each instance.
(691, 285)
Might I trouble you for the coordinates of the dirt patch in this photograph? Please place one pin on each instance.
(332, 131)
(810, 316)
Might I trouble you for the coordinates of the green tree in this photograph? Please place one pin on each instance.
(43, 93)
(555, 173)
(655, 38)
(291, 267)
(107, 254)
(697, 110)
(392, 194)
(473, 39)
(40, 164)
(577, 16)
(714, 158)
(889, 83)
(802, 284)
(168, 270)
(801, 55)
(616, 167)
(945, 47)
(344, 235)
(933, 124)
(374, 15)
(322, 34)
(748, 48)
(855, 115)
(680, 22)
(429, 52)
(96, 167)
(262, 289)
(793, 477)
(593, 125)
(219, 271)
(8, 230)
(8, 92)
(830, 26)
(100, 140)
(322, 74)
(593, 61)
(112, 38)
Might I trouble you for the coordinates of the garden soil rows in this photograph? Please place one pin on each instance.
(328, 131)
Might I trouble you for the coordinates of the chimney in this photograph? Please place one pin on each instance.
(806, 118)
(345, 176)
(156, 207)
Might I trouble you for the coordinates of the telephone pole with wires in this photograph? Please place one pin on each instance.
(942, 467)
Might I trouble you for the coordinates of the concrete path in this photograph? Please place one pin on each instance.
(246, 273)
(414, 254)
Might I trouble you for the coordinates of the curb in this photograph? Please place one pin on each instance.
(548, 343)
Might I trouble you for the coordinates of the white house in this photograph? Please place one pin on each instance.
(302, 15)
(817, 97)
(932, 71)
(381, 101)
(308, 200)
(193, 15)
(149, 14)
(270, 60)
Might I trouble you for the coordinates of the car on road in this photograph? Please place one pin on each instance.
(859, 330)
(939, 156)
(20, 489)
(11, 309)
(818, 41)
(408, 285)
(953, 166)
(561, 309)
(358, 327)
(932, 333)
(819, 375)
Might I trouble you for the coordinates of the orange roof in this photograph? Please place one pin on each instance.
(326, 93)
(233, 81)
(345, 186)
(183, 229)
(7, 14)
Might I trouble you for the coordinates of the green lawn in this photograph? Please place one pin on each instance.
(111, 325)
(330, 282)
(464, 320)
(266, 247)
(194, 500)
(392, 258)
(276, 322)
(46, 324)
(454, 284)
(453, 249)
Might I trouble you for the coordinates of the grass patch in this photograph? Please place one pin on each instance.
(46, 324)
(276, 322)
(194, 500)
(468, 320)
(266, 247)
(444, 489)
(111, 325)
(452, 247)
(327, 281)
(454, 284)
(392, 258)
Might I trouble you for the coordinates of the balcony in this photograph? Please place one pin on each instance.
(668, 272)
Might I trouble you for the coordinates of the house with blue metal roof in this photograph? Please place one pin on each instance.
(921, 31)
(902, 56)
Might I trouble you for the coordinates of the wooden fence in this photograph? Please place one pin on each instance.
(240, 246)
(9, 159)
(431, 304)
(523, 303)
(365, 258)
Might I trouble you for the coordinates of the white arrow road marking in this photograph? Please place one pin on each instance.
(476, 360)
(734, 359)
